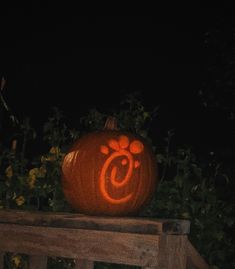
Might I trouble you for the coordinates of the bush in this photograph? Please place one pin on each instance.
(188, 188)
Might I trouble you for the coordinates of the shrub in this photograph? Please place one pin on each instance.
(188, 189)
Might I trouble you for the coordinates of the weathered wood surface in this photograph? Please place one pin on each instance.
(194, 259)
(78, 221)
(1, 259)
(37, 262)
(104, 246)
(84, 264)
(172, 252)
(145, 242)
(156, 267)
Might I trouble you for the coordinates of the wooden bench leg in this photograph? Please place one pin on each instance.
(37, 262)
(1, 260)
(84, 264)
(172, 252)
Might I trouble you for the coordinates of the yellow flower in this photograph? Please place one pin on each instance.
(9, 172)
(45, 159)
(32, 177)
(54, 155)
(16, 259)
(35, 173)
(42, 171)
(20, 200)
(55, 151)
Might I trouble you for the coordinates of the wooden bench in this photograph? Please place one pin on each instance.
(144, 242)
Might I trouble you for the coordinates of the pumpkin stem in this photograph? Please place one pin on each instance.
(111, 124)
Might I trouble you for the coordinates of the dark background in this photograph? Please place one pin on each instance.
(57, 58)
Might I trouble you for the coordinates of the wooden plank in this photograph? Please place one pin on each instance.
(37, 262)
(172, 252)
(150, 267)
(1, 260)
(194, 259)
(114, 247)
(84, 264)
(117, 224)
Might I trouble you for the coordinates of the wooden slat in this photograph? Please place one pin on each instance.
(84, 264)
(194, 259)
(172, 252)
(37, 262)
(115, 224)
(1, 259)
(133, 249)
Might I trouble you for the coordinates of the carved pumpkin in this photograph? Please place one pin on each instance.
(109, 172)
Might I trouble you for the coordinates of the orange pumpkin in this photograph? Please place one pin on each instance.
(109, 172)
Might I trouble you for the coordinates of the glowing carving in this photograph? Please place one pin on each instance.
(120, 148)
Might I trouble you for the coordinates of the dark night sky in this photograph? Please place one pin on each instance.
(80, 62)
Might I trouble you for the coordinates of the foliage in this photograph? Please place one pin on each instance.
(188, 188)
(193, 193)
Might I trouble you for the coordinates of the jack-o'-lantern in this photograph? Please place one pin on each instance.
(109, 172)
